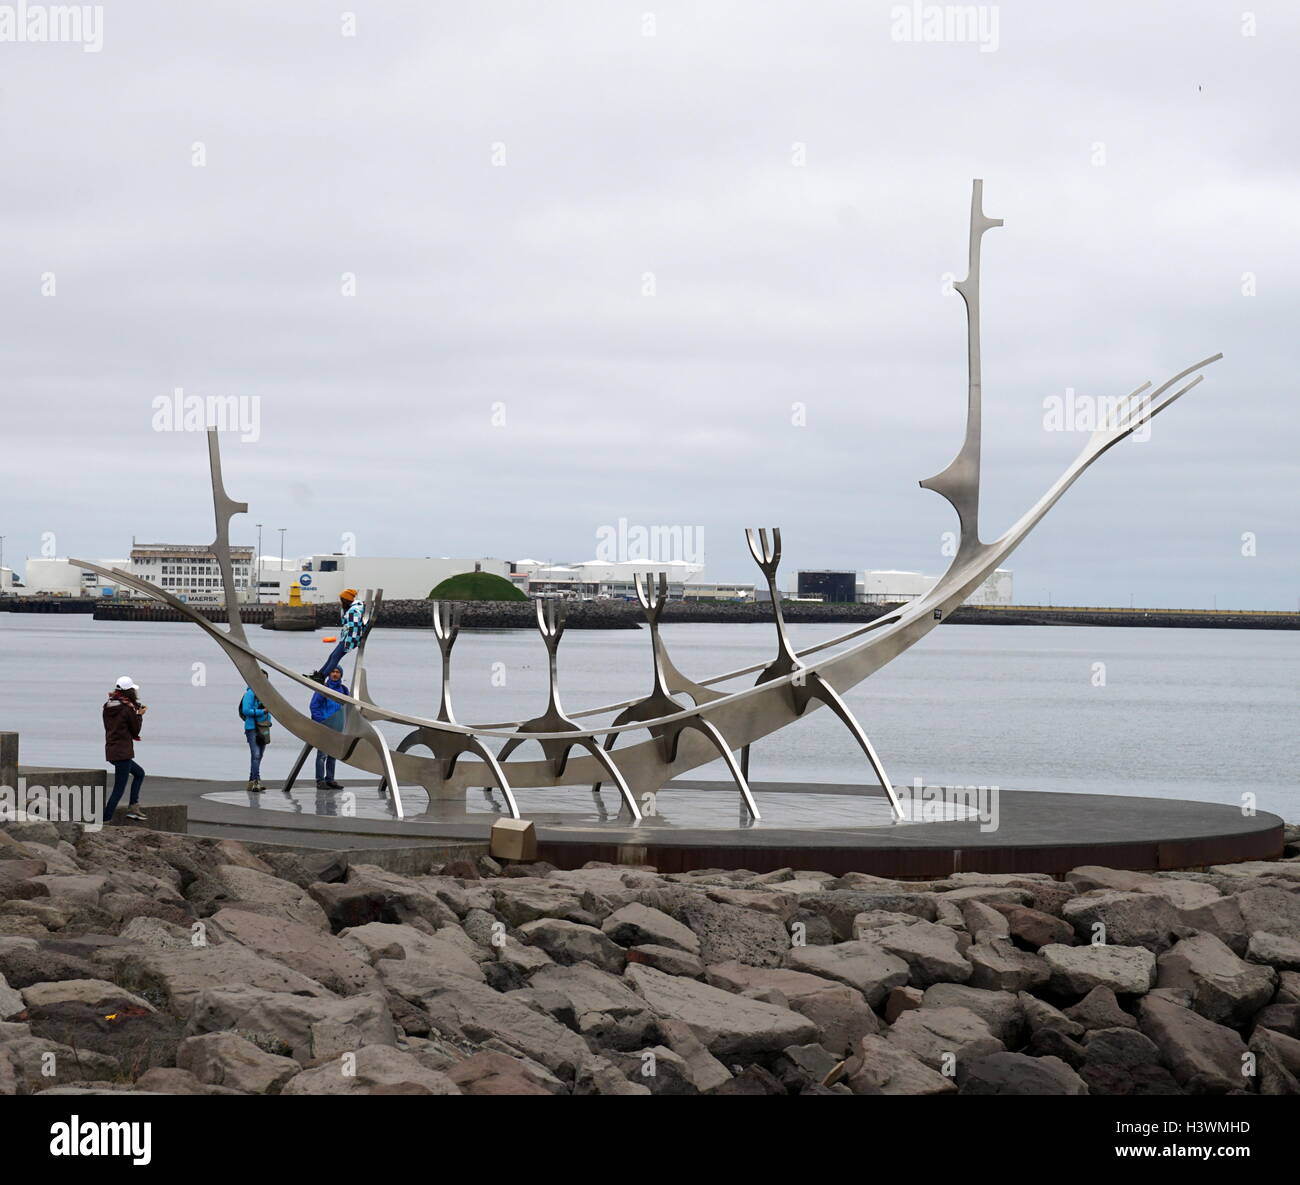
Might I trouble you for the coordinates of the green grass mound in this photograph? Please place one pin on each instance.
(476, 586)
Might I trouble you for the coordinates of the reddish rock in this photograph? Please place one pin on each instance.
(491, 1073)
(900, 1000)
(1033, 927)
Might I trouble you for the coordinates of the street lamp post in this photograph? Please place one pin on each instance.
(282, 531)
(259, 563)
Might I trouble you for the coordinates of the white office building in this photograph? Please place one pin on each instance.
(322, 577)
(996, 590)
(190, 571)
(890, 587)
(601, 578)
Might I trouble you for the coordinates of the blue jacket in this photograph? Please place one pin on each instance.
(322, 707)
(254, 712)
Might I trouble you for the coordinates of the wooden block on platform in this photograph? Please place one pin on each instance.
(513, 839)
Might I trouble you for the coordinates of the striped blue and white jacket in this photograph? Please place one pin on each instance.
(353, 624)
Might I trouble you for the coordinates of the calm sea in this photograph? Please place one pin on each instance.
(1201, 714)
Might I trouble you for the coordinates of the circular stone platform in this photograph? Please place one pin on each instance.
(830, 828)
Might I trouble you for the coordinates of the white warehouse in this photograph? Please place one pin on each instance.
(323, 577)
(888, 587)
(48, 577)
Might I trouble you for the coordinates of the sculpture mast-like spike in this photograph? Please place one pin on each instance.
(767, 555)
(373, 601)
(446, 628)
(652, 603)
(550, 624)
(224, 508)
(960, 482)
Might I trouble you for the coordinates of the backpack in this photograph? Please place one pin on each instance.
(241, 708)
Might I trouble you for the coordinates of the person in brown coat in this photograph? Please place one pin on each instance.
(122, 716)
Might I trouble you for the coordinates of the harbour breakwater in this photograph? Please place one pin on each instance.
(417, 614)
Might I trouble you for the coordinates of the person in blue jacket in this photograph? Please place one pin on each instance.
(257, 732)
(328, 712)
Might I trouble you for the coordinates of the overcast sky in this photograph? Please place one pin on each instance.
(507, 181)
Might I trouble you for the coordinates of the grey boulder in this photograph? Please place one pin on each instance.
(728, 1024)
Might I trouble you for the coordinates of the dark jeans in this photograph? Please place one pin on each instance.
(336, 657)
(324, 762)
(256, 746)
(121, 770)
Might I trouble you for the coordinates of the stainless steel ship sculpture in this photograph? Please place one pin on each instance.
(681, 724)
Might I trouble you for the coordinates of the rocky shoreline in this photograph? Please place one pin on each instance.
(140, 961)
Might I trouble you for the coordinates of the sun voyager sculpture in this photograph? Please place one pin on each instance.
(680, 724)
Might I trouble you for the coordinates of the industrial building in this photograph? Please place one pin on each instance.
(889, 587)
(49, 577)
(54, 577)
(831, 588)
(600, 578)
(996, 590)
(323, 577)
(718, 592)
(189, 571)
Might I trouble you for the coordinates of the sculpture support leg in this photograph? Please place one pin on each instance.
(737, 774)
(607, 761)
(608, 744)
(833, 700)
(377, 742)
(478, 747)
(406, 743)
(297, 768)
